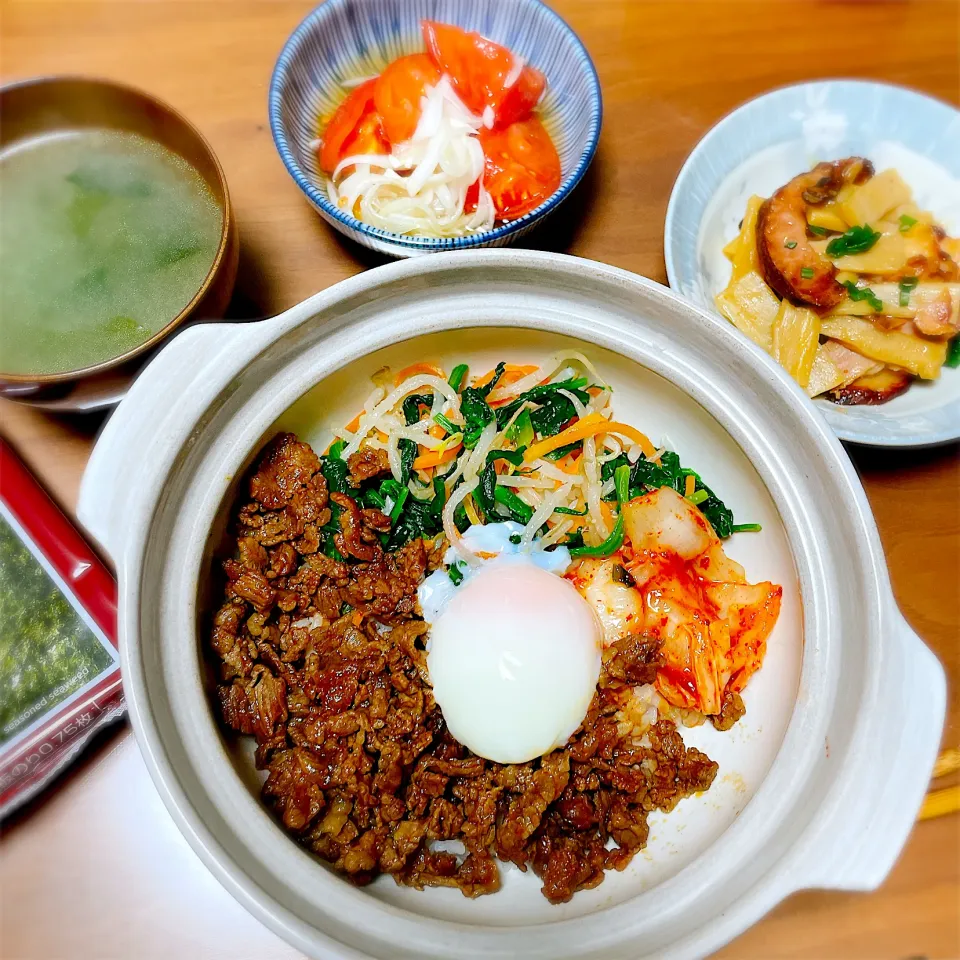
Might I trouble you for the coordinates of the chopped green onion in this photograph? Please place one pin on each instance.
(446, 424)
(398, 506)
(856, 240)
(521, 430)
(519, 511)
(746, 528)
(698, 497)
(863, 293)
(953, 353)
(906, 222)
(457, 376)
(790, 244)
(515, 538)
(570, 512)
(817, 231)
(906, 285)
(455, 575)
(371, 496)
(621, 481)
(807, 273)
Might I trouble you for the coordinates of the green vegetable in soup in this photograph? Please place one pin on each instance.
(105, 237)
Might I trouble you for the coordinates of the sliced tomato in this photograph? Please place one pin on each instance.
(472, 197)
(479, 70)
(521, 167)
(398, 91)
(354, 128)
(520, 99)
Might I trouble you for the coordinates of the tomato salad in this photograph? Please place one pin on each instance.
(444, 143)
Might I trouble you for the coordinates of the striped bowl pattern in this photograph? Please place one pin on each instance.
(342, 40)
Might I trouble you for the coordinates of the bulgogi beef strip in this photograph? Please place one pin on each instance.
(322, 660)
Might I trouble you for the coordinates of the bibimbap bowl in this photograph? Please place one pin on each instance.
(819, 784)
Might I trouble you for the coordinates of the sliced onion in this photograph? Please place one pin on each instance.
(542, 514)
(421, 186)
(554, 534)
(370, 421)
(534, 483)
(450, 528)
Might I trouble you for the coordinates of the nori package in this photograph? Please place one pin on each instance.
(59, 665)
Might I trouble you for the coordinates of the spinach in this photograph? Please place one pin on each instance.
(412, 405)
(546, 395)
(486, 490)
(408, 453)
(553, 414)
(574, 540)
(476, 415)
(511, 456)
(457, 376)
(515, 507)
(419, 518)
(494, 380)
(336, 472)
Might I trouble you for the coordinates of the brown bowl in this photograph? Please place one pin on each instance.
(35, 108)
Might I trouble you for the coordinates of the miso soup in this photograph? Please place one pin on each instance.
(105, 236)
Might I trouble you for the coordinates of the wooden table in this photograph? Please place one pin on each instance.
(97, 869)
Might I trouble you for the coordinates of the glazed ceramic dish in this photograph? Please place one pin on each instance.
(820, 783)
(47, 106)
(343, 40)
(769, 140)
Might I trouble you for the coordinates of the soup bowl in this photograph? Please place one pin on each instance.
(47, 106)
(819, 783)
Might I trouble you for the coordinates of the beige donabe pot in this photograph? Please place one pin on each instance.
(819, 784)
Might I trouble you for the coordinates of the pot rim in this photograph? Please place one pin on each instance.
(780, 852)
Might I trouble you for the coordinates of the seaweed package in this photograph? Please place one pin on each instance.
(59, 665)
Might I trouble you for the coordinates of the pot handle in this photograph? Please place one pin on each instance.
(146, 432)
(873, 805)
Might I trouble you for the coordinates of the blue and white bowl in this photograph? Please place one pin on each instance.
(342, 40)
(769, 140)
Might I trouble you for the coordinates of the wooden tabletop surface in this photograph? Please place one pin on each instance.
(96, 869)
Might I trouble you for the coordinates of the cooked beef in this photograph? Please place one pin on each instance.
(322, 661)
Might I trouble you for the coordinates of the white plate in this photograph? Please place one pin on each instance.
(769, 140)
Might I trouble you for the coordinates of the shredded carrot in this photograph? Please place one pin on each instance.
(569, 464)
(417, 368)
(381, 436)
(437, 432)
(589, 426)
(606, 512)
(354, 424)
(511, 373)
(689, 485)
(433, 458)
(357, 618)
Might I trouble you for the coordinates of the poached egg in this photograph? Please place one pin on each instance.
(514, 650)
